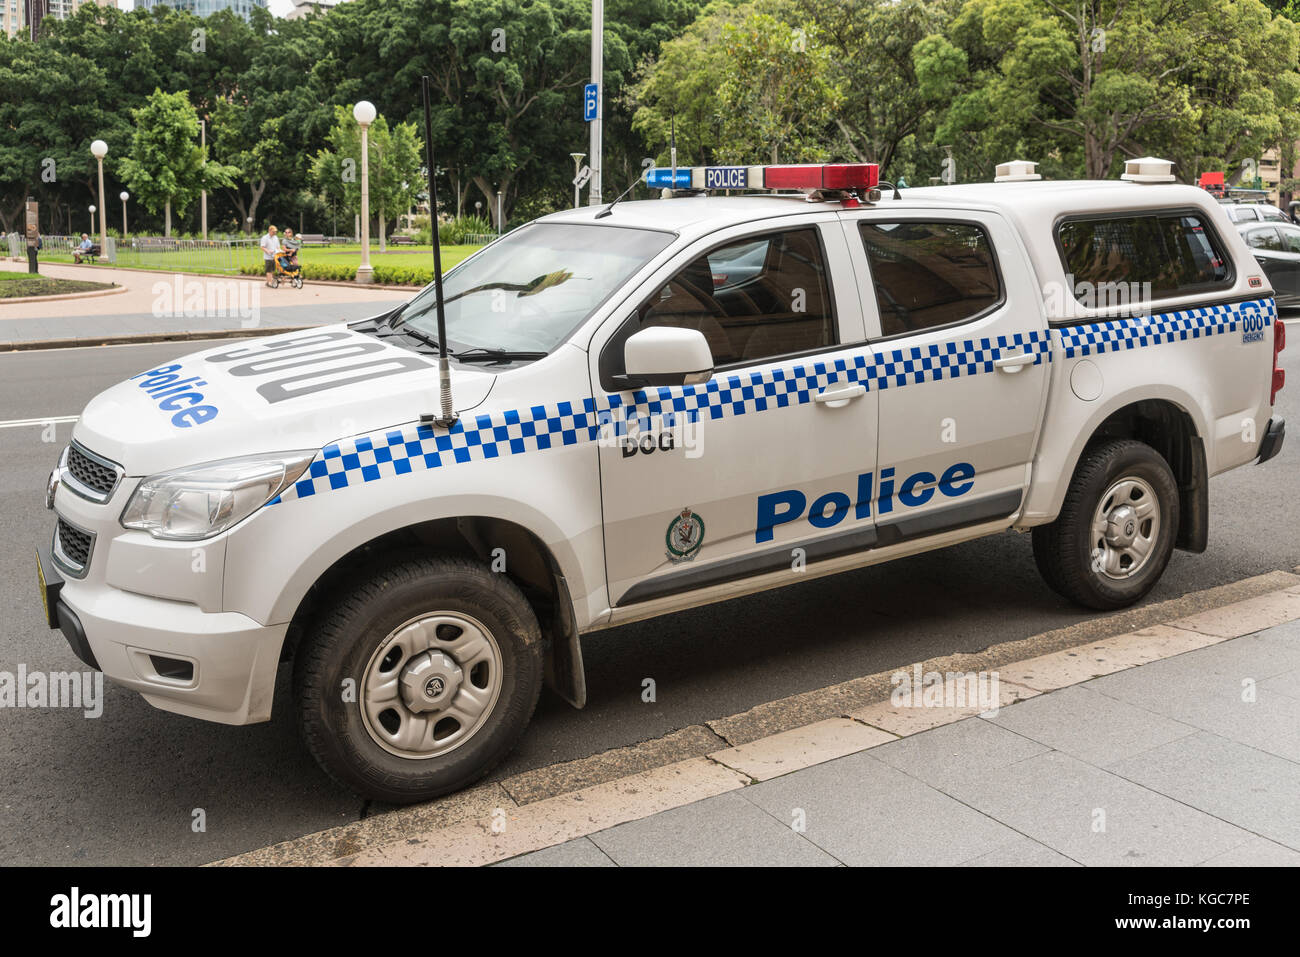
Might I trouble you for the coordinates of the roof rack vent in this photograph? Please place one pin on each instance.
(1017, 171)
(1148, 169)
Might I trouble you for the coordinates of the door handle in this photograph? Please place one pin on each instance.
(1013, 363)
(838, 398)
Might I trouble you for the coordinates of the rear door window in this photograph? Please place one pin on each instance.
(929, 274)
(1164, 253)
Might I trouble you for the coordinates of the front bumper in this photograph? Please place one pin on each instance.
(214, 666)
(1274, 435)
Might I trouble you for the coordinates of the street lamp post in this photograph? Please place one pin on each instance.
(124, 196)
(92, 219)
(364, 113)
(203, 195)
(596, 146)
(577, 171)
(500, 224)
(100, 149)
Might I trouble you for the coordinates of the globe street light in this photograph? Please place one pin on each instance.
(364, 113)
(124, 196)
(92, 224)
(100, 149)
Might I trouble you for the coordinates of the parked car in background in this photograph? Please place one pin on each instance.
(1277, 248)
(1254, 212)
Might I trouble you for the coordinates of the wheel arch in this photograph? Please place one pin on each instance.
(506, 546)
(1171, 423)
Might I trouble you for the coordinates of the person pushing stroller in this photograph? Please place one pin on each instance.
(286, 261)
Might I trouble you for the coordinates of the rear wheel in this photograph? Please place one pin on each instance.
(1116, 530)
(420, 680)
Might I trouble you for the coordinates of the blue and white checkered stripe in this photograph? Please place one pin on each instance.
(412, 448)
(1101, 337)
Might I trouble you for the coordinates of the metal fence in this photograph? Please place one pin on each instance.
(200, 255)
(59, 248)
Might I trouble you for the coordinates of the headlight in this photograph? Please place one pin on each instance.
(202, 501)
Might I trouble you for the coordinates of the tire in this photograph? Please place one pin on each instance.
(1087, 554)
(377, 740)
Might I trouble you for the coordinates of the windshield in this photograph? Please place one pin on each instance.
(528, 291)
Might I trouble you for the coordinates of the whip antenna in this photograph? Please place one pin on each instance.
(447, 417)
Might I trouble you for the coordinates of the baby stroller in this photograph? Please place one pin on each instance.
(286, 267)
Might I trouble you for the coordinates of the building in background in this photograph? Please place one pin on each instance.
(25, 16)
(303, 8)
(205, 8)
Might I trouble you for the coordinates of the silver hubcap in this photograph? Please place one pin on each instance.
(1125, 529)
(430, 685)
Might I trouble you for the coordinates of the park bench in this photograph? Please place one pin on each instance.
(314, 239)
(402, 240)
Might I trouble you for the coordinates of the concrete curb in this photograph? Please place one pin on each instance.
(93, 294)
(84, 341)
(548, 806)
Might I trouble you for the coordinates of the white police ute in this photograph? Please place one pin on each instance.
(653, 406)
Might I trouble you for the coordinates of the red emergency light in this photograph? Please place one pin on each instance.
(817, 176)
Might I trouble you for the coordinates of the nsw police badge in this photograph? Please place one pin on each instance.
(685, 536)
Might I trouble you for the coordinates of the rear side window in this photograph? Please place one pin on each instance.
(929, 274)
(1272, 214)
(1175, 253)
(1244, 214)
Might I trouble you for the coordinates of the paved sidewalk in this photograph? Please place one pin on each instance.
(1191, 759)
(163, 304)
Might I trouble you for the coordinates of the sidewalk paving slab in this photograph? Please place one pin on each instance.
(863, 812)
(1095, 817)
(1090, 726)
(969, 751)
(579, 852)
(1254, 790)
(739, 835)
(1257, 852)
(1022, 852)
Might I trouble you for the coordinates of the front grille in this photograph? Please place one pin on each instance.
(73, 545)
(98, 476)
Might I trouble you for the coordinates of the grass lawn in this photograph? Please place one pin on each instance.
(221, 259)
(15, 285)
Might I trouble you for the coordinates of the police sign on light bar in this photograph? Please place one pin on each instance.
(836, 176)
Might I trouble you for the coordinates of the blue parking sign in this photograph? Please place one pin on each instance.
(590, 101)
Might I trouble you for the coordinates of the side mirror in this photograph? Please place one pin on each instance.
(662, 355)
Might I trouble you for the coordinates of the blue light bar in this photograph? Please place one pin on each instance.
(662, 176)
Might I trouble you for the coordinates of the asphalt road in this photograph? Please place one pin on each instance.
(125, 788)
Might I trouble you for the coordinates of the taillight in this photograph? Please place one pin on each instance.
(1279, 343)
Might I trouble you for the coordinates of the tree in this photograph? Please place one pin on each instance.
(890, 67)
(742, 83)
(1095, 82)
(394, 156)
(167, 167)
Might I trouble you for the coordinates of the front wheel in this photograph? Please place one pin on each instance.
(1116, 530)
(420, 680)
